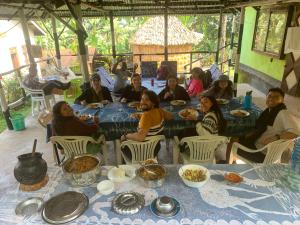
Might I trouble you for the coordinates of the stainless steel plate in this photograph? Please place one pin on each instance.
(29, 206)
(65, 207)
(127, 203)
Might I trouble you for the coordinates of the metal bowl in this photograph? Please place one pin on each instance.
(127, 203)
(82, 178)
(165, 204)
(152, 182)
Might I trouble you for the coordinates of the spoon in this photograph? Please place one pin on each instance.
(34, 147)
(145, 168)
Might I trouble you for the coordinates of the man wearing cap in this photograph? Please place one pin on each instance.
(221, 88)
(96, 93)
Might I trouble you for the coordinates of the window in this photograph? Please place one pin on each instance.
(270, 31)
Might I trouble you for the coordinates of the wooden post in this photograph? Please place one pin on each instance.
(166, 31)
(231, 43)
(112, 30)
(238, 52)
(23, 21)
(191, 61)
(82, 49)
(56, 42)
(4, 107)
(223, 41)
(219, 36)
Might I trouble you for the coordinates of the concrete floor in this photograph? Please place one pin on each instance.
(16, 143)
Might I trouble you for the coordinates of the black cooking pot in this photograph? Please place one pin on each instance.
(30, 169)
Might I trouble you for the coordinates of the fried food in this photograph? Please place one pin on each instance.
(194, 175)
(150, 161)
(81, 165)
(233, 177)
(177, 102)
(158, 172)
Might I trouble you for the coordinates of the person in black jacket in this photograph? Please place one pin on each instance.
(96, 93)
(173, 91)
(134, 91)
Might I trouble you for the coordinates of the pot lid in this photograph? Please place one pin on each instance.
(127, 203)
(65, 207)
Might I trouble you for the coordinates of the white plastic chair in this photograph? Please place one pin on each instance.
(141, 150)
(273, 151)
(39, 98)
(202, 148)
(76, 145)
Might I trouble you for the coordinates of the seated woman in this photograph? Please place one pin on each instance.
(134, 91)
(195, 87)
(150, 122)
(65, 123)
(96, 93)
(213, 122)
(221, 88)
(173, 91)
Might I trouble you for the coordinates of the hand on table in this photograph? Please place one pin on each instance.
(167, 95)
(83, 103)
(269, 140)
(123, 100)
(135, 115)
(191, 117)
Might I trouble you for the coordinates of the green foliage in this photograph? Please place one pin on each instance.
(12, 89)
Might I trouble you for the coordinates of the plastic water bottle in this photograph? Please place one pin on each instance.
(248, 100)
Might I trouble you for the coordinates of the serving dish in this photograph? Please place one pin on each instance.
(65, 207)
(152, 175)
(239, 113)
(82, 170)
(29, 206)
(128, 203)
(184, 113)
(194, 175)
(106, 187)
(123, 173)
(178, 102)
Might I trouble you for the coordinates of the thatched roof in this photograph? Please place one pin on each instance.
(152, 33)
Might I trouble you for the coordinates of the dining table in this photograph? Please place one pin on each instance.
(115, 118)
(261, 198)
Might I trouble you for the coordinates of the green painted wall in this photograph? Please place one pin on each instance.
(265, 64)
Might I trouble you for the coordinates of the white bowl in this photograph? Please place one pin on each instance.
(106, 187)
(123, 173)
(192, 183)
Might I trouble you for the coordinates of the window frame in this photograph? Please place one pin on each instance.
(288, 12)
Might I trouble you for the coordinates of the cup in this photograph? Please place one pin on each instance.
(165, 204)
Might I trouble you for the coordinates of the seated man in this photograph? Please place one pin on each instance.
(96, 93)
(31, 81)
(151, 122)
(274, 123)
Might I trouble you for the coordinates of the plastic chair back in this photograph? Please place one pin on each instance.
(275, 150)
(202, 148)
(141, 150)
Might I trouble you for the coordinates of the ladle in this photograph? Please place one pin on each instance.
(34, 147)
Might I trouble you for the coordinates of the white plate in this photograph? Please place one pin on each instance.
(222, 101)
(239, 113)
(178, 102)
(133, 104)
(129, 174)
(95, 105)
(191, 111)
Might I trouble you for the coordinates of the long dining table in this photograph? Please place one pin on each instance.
(115, 118)
(261, 198)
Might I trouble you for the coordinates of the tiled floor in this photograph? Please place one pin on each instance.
(16, 143)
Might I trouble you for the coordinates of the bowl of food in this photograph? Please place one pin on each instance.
(194, 175)
(82, 170)
(233, 177)
(151, 175)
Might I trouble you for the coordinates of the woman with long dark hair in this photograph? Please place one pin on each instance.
(134, 91)
(65, 123)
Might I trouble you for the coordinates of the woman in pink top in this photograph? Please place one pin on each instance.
(196, 86)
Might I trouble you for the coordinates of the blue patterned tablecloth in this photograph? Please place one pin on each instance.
(259, 199)
(115, 119)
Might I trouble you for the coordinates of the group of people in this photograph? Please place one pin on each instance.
(274, 122)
